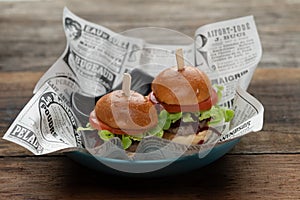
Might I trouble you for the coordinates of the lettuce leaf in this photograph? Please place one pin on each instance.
(87, 127)
(217, 114)
(165, 119)
(105, 135)
(187, 117)
(126, 141)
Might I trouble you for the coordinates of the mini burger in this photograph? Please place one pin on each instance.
(125, 114)
(188, 103)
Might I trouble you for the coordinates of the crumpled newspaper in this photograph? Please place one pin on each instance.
(93, 63)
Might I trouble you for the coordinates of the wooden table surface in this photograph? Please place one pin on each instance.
(264, 165)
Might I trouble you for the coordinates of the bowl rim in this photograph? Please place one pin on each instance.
(180, 158)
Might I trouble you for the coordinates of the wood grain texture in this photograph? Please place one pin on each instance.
(279, 92)
(32, 41)
(232, 177)
(264, 165)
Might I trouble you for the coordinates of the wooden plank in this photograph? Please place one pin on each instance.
(279, 92)
(264, 165)
(33, 40)
(15, 91)
(232, 177)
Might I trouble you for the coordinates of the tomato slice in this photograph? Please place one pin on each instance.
(172, 108)
(99, 125)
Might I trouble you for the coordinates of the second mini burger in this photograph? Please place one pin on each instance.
(188, 102)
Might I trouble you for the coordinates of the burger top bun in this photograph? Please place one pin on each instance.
(188, 86)
(134, 112)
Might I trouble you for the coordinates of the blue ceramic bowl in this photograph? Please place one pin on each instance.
(83, 105)
(172, 166)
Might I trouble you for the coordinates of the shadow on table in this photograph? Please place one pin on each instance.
(210, 180)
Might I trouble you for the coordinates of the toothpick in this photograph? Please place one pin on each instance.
(179, 59)
(126, 84)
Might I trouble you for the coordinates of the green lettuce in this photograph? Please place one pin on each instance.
(127, 140)
(87, 127)
(165, 119)
(105, 135)
(217, 114)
